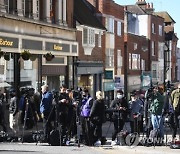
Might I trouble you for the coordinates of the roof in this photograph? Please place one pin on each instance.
(166, 16)
(84, 15)
(135, 9)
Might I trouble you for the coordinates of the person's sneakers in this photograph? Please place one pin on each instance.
(67, 142)
(97, 143)
(113, 143)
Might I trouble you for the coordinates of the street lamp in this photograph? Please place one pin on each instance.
(166, 63)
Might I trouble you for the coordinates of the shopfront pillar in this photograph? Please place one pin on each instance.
(17, 73)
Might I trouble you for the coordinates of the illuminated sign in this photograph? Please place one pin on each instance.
(8, 42)
(57, 47)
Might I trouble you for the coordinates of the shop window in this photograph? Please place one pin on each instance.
(10, 64)
(28, 65)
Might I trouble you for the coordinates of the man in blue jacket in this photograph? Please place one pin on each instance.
(45, 109)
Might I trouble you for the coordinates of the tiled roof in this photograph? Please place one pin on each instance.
(83, 14)
(166, 16)
(135, 9)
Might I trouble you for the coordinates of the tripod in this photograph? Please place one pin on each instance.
(28, 108)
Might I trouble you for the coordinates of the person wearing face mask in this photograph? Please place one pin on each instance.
(136, 112)
(120, 111)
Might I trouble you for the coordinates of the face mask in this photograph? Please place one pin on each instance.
(119, 96)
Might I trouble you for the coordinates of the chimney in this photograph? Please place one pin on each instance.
(151, 5)
(149, 8)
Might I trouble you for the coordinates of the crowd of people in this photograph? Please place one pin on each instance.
(65, 109)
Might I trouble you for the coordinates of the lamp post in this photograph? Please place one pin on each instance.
(166, 50)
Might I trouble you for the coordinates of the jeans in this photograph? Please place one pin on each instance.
(157, 123)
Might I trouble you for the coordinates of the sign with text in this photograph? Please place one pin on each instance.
(9, 42)
(57, 47)
(108, 74)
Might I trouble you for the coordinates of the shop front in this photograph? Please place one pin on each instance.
(90, 76)
(33, 71)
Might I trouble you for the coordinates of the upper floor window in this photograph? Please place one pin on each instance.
(153, 28)
(11, 6)
(110, 25)
(99, 39)
(119, 58)
(142, 64)
(28, 6)
(130, 61)
(153, 48)
(109, 58)
(135, 61)
(160, 50)
(160, 30)
(119, 28)
(88, 36)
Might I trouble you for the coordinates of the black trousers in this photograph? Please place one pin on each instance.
(118, 126)
(86, 131)
(47, 127)
(174, 123)
(96, 131)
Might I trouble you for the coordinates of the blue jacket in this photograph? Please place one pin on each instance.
(46, 102)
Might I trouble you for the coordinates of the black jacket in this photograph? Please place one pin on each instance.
(98, 111)
(115, 104)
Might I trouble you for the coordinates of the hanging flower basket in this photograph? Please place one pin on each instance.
(25, 55)
(33, 57)
(49, 56)
(7, 56)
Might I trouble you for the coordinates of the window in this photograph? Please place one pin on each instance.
(154, 71)
(12, 6)
(28, 8)
(153, 28)
(99, 39)
(28, 64)
(130, 60)
(109, 58)
(10, 64)
(142, 64)
(119, 28)
(119, 58)
(160, 30)
(88, 36)
(160, 50)
(153, 48)
(110, 25)
(135, 61)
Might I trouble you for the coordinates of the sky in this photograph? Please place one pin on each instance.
(171, 6)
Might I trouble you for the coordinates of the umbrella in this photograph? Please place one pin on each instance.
(4, 84)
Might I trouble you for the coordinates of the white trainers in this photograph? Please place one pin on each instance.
(97, 143)
(113, 143)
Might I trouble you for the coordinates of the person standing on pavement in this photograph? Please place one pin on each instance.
(120, 112)
(85, 108)
(175, 96)
(13, 110)
(45, 109)
(97, 117)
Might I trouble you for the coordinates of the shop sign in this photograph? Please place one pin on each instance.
(108, 75)
(9, 42)
(108, 86)
(146, 79)
(31, 44)
(57, 47)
